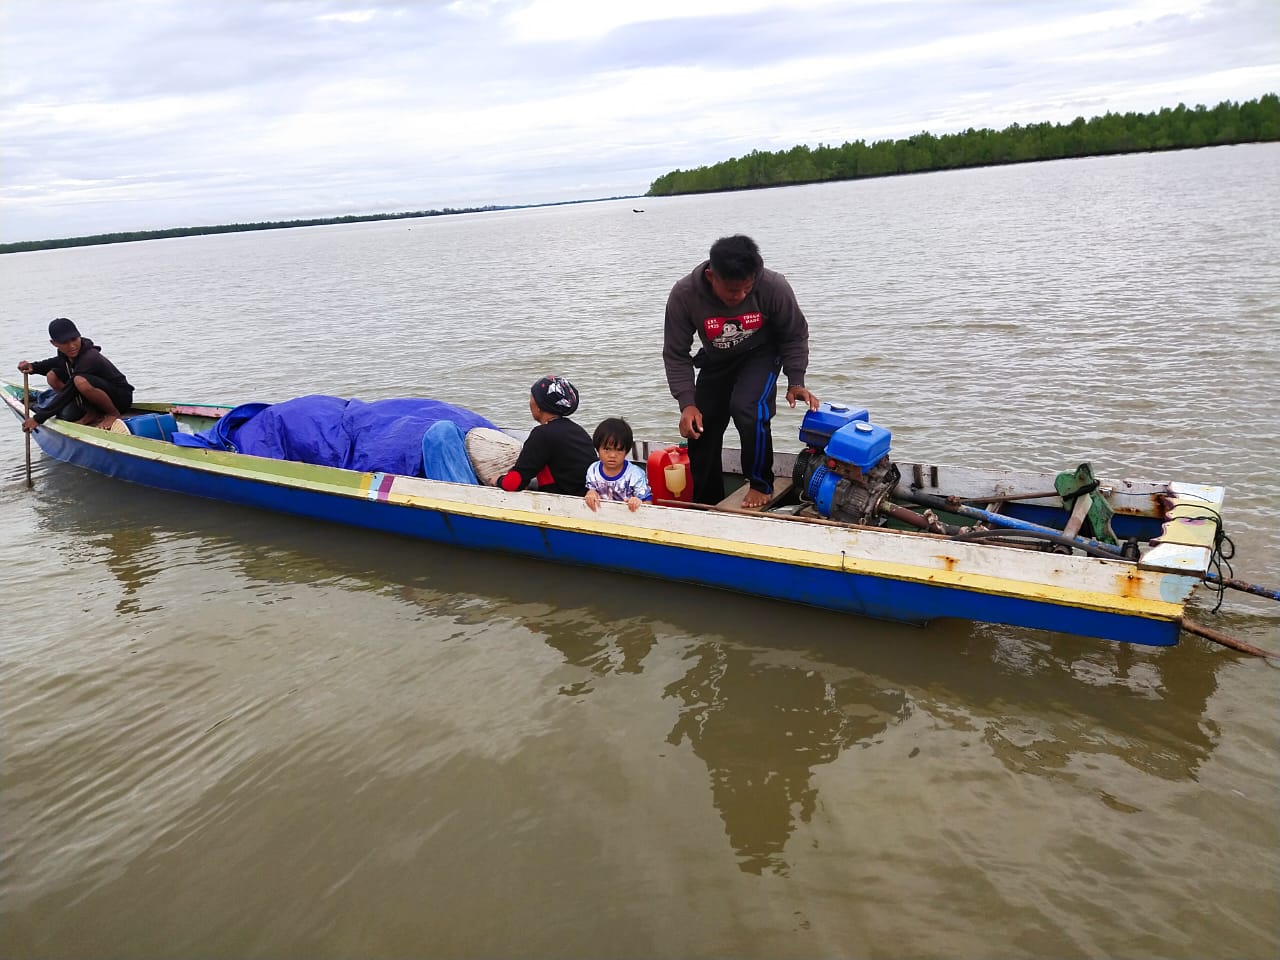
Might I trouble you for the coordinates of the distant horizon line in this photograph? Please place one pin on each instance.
(1111, 134)
(167, 233)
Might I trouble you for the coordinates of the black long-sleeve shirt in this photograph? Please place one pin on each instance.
(89, 361)
(560, 447)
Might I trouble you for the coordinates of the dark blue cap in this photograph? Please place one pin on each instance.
(62, 330)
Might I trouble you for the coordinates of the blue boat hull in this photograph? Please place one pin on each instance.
(878, 597)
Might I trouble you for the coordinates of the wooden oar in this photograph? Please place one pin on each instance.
(26, 415)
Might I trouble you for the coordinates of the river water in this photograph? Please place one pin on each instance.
(232, 734)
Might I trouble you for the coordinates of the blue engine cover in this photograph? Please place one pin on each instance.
(818, 425)
(860, 443)
(822, 489)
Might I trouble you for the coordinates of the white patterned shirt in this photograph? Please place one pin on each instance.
(631, 482)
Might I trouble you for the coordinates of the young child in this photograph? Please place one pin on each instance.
(557, 451)
(613, 477)
(89, 388)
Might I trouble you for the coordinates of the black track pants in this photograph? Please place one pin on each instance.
(746, 392)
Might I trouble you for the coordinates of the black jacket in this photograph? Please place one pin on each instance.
(562, 447)
(90, 362)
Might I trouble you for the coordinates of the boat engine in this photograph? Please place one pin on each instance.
(845, 469)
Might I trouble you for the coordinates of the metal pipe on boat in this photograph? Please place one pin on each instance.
(26, 415)
(924, 521)
(1242, 585)
(1000, 520)
(1209, 634)
(1006, 497)
(972, 534)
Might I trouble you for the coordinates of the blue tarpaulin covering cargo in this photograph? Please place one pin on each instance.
(379, 436)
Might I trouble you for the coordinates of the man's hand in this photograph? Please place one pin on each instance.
(691, 422)
(24, 366)
(29, 425)
(800, 393)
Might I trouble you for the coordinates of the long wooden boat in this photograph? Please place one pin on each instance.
(998, 546)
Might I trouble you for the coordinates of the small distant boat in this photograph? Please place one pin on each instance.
(848, 528)
(636, 210)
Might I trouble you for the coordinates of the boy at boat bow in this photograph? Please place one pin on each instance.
(90, 389)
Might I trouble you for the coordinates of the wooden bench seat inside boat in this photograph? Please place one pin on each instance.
(733, 502)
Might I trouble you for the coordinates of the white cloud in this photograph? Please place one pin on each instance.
(543, 20)
(122, 114)
(349, 16)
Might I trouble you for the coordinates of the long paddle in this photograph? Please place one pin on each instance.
(26, 415)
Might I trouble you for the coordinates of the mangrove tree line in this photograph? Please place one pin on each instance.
(1168, 129)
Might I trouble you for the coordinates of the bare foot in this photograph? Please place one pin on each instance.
(106, 422)
(90, 420)
(754, 499)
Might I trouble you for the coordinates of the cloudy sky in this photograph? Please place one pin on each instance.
(144, 114)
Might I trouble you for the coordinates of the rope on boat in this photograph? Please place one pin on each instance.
(1223, 550)
(1217, 637)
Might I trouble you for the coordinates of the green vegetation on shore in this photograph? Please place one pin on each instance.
(1168, 129)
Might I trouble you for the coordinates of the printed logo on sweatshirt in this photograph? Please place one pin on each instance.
(724, 333)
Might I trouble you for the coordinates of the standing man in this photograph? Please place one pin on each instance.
(751, 328)
(89, 387)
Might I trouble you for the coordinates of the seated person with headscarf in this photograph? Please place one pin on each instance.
(558, 451)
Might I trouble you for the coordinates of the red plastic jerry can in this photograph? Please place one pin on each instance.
(669, 477)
